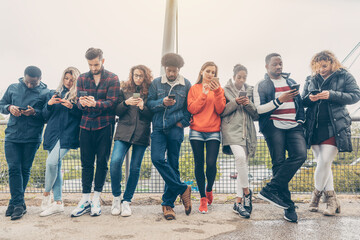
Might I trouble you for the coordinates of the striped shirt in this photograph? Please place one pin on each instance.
(284, 116)
(106, 95)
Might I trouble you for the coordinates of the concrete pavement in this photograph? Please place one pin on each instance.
(147, 222)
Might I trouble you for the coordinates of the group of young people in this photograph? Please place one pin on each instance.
(81, 113)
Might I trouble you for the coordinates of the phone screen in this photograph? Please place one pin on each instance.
(83, 93)
(242, 94)
(295, 86)
(215, 79)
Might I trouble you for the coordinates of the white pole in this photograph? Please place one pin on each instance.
(169, 28)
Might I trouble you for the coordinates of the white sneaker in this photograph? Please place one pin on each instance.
(54, 208)
(115, 208)
(125, 209)
(46, 202)
(95, 208)
(81, 209)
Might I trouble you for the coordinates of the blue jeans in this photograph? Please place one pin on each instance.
(53, 177)
(278, 141)
(19, 157)
(168, 140)
(117, 159)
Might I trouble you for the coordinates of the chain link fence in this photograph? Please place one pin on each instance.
(346, 171)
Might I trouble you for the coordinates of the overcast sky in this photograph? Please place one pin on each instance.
(55, 34)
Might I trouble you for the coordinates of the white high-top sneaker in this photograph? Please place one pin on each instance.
(115, 208)
(46, 202)
(125, 209)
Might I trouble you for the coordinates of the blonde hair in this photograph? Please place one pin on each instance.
(326, 56)
(71, 94)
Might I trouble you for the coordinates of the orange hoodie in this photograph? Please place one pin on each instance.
(205, 108)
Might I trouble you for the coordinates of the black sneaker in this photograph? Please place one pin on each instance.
(248, 202)
(239, 209)
(9, 210)
(272, 197)
(19, 211)
(290, 215)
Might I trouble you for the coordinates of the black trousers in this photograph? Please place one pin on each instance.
(279, 141)
(95, 143)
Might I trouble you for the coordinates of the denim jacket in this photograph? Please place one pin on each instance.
(166, 117)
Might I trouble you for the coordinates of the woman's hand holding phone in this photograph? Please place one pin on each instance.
(214, 84)
(140, 104)
(132, 101)
(66, 103)
(54, 100)
(244, 100)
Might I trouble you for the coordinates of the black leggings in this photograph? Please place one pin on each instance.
(212, 151)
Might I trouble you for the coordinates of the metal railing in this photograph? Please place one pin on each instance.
(346, 171)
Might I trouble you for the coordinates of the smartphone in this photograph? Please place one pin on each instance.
(171, 96)
(314, 92)
(215, 79)
(295, 86)
(136, 95)
(242, 94)
(57, 95)
(22, 109)
(83, 93)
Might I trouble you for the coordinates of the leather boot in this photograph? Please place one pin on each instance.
(332, 205)
(315, 199)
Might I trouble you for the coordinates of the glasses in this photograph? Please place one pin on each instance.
(138, 76)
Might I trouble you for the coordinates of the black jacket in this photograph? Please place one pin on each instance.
(62, 124)
(266, 103)
(133, 124)
(343, 90)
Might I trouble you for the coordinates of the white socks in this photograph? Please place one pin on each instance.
(96, 196)
(85, 197)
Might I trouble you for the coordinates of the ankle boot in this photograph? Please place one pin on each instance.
(332, 205)
(315, 199)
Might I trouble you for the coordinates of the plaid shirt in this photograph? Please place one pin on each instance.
(106, 95)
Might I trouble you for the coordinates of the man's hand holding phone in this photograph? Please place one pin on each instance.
(169, 100)
(14, 110)
(28, 111)
(289, 95)
(86, 100)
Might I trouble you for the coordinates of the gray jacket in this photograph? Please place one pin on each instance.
(237, 123)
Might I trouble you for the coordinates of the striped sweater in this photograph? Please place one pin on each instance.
(284, 115)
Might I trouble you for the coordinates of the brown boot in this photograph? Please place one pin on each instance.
(315, 199)
(186, 200)
(332, 205)
(169, 213)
